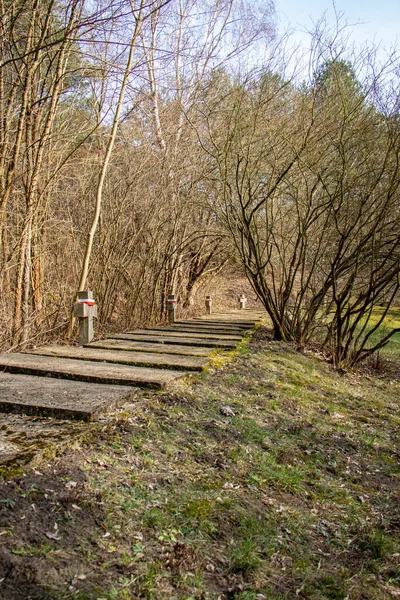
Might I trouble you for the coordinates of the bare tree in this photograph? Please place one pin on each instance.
(309, 192)
(139, 13)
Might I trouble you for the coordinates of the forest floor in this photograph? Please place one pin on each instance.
(269, 477)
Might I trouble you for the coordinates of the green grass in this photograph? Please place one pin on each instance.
(391, 350)
(391, 321)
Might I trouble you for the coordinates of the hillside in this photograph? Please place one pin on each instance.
(269, 477)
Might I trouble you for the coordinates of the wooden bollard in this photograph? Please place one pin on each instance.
(86, 311)
(242, 302)
(171, 308)
(208, 304)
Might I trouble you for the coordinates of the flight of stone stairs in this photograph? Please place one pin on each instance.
(81, 381)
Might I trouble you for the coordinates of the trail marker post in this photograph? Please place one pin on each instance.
(208, 304)
(171, 308)
(242, 302)
(86, 311)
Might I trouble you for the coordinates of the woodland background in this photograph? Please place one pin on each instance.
(149, 147)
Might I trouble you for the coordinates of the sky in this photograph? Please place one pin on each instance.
(379, 20)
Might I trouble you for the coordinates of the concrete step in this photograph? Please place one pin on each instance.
(169, 339)
(63, 399)
(226, 325)
(204, 329)
(230, 320)
(144, 359)
(248, 313)
(129, 345)
(80, 370)
(244, 324)
(171, 331)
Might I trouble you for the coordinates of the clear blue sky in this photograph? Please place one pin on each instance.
(379, 20)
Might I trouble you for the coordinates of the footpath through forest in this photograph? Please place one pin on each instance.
(82, 381)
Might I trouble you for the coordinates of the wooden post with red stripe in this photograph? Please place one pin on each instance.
(85, 309)
(171, 308)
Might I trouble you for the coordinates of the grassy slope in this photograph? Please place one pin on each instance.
(392, 321)
(296, 496)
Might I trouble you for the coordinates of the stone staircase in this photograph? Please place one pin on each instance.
(81, 381)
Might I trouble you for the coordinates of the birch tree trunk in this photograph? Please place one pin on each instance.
(138, 18)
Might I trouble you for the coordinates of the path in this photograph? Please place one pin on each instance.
(143, 358)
